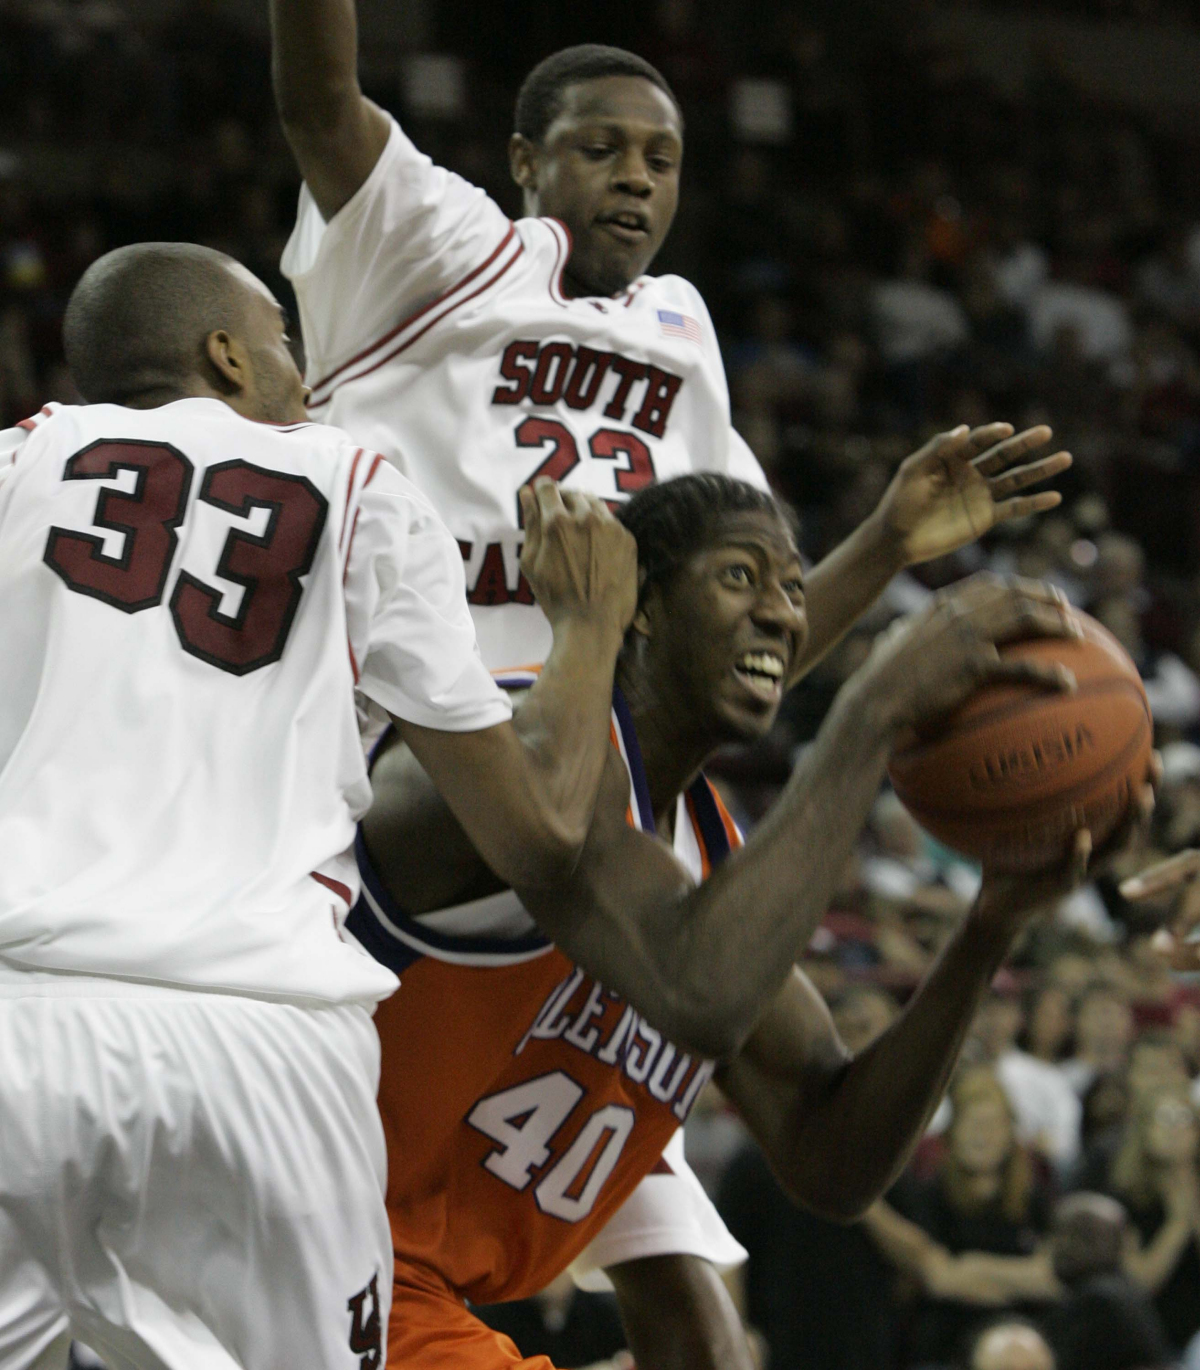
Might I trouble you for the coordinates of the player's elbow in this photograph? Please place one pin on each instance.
(544, 855)
(699, 1022)
(835, 1199)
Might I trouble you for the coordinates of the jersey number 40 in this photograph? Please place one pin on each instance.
(523, 1121)
(269, 566)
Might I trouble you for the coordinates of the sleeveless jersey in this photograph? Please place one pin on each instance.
(437, 332)
(523, 1103)
(187, 600)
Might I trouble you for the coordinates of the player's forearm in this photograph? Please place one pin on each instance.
(847, 1147)
(678, 1315)
(314, 58)
(842, 587)
(564, 725)
(727, 947)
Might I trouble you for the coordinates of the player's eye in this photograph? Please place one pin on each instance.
(663, 164)
(597, 152)
(740, 573)
(794, 589)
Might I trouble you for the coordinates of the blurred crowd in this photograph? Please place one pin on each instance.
(890, 246)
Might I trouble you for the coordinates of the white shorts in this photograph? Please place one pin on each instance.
(189, 1182)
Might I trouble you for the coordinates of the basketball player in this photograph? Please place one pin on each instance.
(533, 1126)
(193, 580)
(475, 352)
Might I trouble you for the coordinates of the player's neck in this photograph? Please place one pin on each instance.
(672, 753)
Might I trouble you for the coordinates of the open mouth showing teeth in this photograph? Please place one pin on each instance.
(763, 670)
(632, 223)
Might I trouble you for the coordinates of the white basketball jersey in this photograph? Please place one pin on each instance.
(187, 601)
(438, 334)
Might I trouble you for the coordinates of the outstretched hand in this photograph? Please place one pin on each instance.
(1175, 877)
(962, 483)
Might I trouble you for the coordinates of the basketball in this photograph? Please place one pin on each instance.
(1009, 776)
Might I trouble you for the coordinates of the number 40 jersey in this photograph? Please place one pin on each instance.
(437, 331)
(187, 601)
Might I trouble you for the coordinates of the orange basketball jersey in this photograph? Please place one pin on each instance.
(522, 1101)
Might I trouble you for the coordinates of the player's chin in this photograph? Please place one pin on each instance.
(744, 718)
(606, 266)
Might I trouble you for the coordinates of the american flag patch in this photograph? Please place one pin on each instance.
(673, 325)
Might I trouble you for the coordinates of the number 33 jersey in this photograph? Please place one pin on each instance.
(187, 601)
(523, 1102)
(438, 333)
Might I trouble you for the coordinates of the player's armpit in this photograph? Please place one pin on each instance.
(336, 133)
(490, 785)
(417, 846)
(678, 1315)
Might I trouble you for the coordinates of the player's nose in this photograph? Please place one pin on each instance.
(632, 175)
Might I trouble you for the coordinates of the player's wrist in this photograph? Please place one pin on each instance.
(593, 625)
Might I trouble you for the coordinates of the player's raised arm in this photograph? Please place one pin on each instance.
(525, 798)
(703, 962)
(336, 133)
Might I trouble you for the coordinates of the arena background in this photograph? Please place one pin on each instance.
(903, 216)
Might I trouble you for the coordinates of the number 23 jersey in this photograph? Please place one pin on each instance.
(524, 1103)
(437, 333)
(187, 601)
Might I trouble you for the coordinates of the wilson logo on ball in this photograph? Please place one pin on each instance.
(1018, 765)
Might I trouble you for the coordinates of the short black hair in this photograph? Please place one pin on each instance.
(676, 518)
(137, 321)
(540, 98)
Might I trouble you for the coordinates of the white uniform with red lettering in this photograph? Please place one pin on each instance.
(438, 334)
(191, 1156)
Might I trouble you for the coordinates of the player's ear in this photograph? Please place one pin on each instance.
(522, 162)
(641, 620)
(229, 358)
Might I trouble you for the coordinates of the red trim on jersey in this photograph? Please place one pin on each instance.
(661, 1167)
(343, 892)
(416, 337)
(346, 565)
(412, 318)
(33, 420)
(353, 664)
(371, 474)
(349, 492)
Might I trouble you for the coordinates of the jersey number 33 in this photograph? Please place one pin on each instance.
(268, 566)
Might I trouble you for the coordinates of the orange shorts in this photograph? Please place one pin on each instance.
(431, 1328)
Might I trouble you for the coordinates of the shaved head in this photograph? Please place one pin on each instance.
(158, 322)
(138, 320)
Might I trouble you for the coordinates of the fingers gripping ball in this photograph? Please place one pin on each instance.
(1011, 775)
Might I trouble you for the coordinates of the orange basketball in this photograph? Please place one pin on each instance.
(1011, 775)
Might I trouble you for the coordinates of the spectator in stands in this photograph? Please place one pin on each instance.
(1047, 1109)
(1105, 1322)
(1009, 1344)
(1154, 1174)
(985, 1196)
(1103, 1034)
(1049, 1023)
